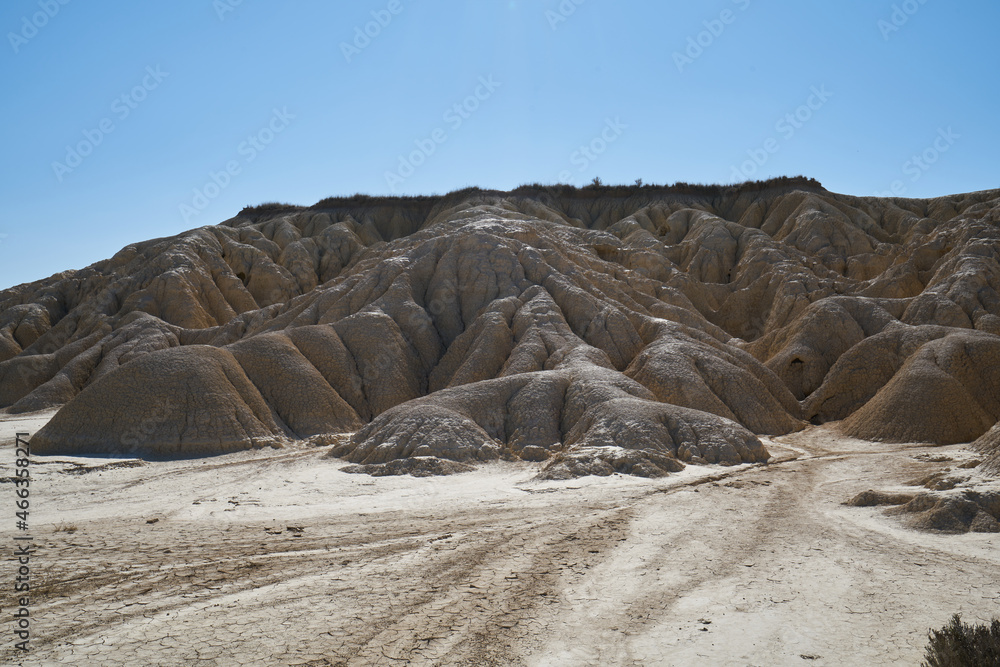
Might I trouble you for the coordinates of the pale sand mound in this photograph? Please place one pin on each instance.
(605, 461)
(533, 415)
(417, 466)
(526, 325)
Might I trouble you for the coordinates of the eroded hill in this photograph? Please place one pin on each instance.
(603, 329)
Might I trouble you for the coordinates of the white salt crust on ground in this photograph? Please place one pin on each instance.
(277, 557)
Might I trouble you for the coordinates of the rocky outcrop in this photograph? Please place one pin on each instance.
(958, 512)
(598, 330)
(185, 401)
(988, 444)
(946, 392)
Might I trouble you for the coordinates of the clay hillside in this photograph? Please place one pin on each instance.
(627, 329)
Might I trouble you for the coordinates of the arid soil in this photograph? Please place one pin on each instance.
(277, 557)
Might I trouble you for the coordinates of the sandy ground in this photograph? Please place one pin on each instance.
(278, 558)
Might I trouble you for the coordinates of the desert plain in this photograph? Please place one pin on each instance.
(275, 557)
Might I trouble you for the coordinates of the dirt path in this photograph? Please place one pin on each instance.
(280, 559)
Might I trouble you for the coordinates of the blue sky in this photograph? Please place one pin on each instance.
(126, 121)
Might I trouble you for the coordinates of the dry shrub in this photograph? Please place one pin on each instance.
(958, 644)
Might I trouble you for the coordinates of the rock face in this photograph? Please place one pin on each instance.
(968, 511)
(989, 444)
(602, 330)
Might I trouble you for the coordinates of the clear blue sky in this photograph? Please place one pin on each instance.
(201, 78)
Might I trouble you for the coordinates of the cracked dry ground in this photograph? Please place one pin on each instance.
(280, 559)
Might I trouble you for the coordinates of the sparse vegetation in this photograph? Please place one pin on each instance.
(596, 188)
(359, 199)
(958, 644)
(65, 528)
(266, 207)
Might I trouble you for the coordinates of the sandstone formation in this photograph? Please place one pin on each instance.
(600, 329)
(960, 512)
(989, 444)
